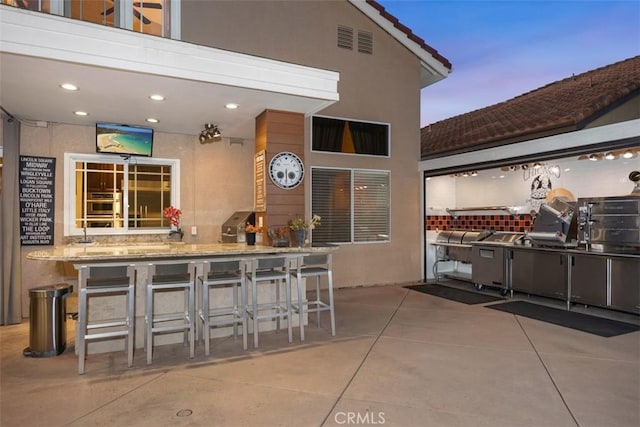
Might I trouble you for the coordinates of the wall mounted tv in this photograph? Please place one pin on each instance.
(125, 140)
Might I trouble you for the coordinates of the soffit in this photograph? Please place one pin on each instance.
(117, 70)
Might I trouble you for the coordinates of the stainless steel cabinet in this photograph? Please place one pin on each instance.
(625, 284)
(540, 273)
(588, 280)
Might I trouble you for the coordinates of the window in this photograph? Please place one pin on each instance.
(106, 194)
(349, 136)
(353, 203)
(149, 17)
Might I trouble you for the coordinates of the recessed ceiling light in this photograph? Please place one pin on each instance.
(609, 156)
(593, 157)
(231, 106)
(157, 97)
(152, 120)
(69, 86)
(80, 113)
(627, 154)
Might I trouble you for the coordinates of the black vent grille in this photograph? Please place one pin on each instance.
(345, 37)
(365, 42)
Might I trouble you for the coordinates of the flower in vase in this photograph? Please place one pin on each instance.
(173, 215)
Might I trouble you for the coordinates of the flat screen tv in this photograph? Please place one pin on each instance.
(125, 140)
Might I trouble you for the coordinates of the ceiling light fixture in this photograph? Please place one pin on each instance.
(157, 97)
(152, 120)
(69, 86)
(474, 173)
(209, 133)
(593, 157)
(537, 165)
(231, 106)
(525, 167)
(609, 156)
(627, 154)
(81, 113)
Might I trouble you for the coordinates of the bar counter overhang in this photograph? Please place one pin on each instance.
(144, 255)
(146, 252)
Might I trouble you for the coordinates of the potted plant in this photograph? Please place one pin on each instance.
(299, 227)
(250, 231)
(279, 236)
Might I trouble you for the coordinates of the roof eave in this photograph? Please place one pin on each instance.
(433, 66)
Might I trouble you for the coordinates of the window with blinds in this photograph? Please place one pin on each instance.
(353, 204)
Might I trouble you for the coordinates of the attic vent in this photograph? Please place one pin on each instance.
(345, 37)
(365, 42)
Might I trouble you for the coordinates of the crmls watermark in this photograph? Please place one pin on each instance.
(359, 418)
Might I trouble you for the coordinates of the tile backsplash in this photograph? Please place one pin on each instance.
(518, 223)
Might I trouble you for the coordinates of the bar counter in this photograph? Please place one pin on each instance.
(143, 252)
(143, 255)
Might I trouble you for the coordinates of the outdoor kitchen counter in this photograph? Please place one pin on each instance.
(80, 253)
(577, 251)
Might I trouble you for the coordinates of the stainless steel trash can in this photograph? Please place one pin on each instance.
(47, 320)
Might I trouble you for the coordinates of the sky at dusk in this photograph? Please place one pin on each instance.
(502, 49)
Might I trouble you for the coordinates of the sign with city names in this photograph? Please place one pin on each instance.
(37, 191)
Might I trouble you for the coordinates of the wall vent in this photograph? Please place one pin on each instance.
(365, 42)
(345, 37)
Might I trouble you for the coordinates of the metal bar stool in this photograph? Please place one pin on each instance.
(218, 274)
(314, 266)
(102, 281)
(273, 270)
(173, 278)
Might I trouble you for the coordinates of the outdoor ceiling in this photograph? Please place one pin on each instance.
(116, 71)
(30, 91)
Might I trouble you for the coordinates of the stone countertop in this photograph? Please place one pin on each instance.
(141, 251)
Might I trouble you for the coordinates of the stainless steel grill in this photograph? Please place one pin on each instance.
(455, 245)
(233, 228)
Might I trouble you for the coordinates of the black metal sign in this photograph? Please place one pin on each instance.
(37, 191)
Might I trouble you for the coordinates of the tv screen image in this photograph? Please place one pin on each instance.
(124, 139)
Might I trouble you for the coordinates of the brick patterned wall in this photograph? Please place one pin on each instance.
(518, 223)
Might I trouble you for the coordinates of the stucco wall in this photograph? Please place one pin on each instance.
(215, 181)
(381, 87)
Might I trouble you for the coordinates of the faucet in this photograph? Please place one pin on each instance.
(84, 230)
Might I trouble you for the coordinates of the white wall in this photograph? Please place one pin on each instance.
(498, 187)
(495, 187)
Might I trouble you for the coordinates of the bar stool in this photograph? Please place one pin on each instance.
(174, 278)
(102, 281)
(273, 270)
(314, 266)
(219, 274)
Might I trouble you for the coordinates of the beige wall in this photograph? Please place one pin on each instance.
(381, 87)
(216, 180)
(629, 110)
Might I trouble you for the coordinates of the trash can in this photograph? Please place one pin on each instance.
(47, 320)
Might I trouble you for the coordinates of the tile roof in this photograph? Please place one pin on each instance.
(410, 35)
(562, 106)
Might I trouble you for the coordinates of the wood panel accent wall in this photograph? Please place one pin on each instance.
(278, 131)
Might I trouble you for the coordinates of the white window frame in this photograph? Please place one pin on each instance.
(352, 172)
(70, 160)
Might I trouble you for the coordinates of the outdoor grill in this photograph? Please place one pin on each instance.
(233, 228)
(455, 245)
